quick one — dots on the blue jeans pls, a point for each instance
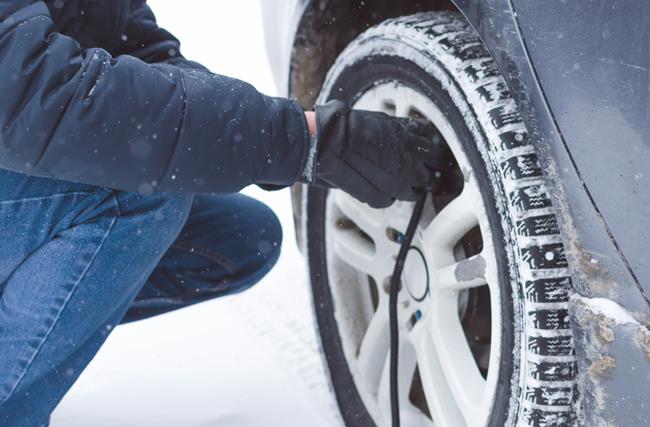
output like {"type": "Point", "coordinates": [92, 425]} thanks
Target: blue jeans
{"type": "Point", "coordinates": [77, 260]}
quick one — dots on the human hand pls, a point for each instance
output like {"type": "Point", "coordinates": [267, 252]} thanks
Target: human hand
{"type": "Point", "coordinates": [375, 157]}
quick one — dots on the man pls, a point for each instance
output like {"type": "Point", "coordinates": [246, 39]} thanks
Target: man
{"type": "Point", "coordinates": [119, 164]}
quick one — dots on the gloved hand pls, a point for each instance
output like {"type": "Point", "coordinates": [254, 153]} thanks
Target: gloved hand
{"type": "Point", "coordinates": [375, 157]}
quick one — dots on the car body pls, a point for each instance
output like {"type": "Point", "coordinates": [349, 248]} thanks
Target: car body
{"type": "Point", "coordinates": [579, 73]}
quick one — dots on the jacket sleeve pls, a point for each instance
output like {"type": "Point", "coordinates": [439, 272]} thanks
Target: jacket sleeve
{"type": "Point", "coordinates": [119, 122]}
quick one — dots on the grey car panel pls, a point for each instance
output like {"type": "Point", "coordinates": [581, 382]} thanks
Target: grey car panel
{"type": "Point", "coordinates": [599, 270]}
{"type": "Point", "coordinates": [611, 345]}
{"type": "Point", "coordinates": [592, 61]}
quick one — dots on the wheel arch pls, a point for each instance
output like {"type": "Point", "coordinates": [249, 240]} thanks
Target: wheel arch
{"type": "Point", "coordinates": [326, 27]}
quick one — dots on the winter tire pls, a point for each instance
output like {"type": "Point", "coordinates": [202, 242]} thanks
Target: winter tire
{"type": "Point", "coordinates": [485, 337]}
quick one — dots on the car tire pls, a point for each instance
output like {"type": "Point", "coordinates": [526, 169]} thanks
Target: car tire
{"type": "Point", "coordinates": [439, 56]}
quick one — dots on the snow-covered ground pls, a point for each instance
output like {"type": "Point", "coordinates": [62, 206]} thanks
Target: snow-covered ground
{"type": "Point", "coordinates": [247, 360]}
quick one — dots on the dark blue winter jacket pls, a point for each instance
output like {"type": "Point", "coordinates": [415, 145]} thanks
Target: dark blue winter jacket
{"type": "Point", "coordinates": [94, 91]}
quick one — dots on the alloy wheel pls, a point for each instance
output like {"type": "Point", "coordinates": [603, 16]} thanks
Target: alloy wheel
{"type": "Point", "coordinates": [448, 303]}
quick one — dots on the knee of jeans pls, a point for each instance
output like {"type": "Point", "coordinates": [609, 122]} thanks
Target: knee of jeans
{"type": "Point", "coordinates": [270, 237]}
{"type": "Point", "coordinates": [160, 216]}
{"type": "Point", "coordinates": [170, 212]}
{"type": "Point", "coordinates": [264, 238]}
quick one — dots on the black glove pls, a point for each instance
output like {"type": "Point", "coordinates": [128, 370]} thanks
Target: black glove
{"type": "Point", "coordinates": [375, 157]}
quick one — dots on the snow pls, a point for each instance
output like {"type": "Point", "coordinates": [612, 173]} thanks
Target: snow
{"type": "Point", "coordinates": [246, 360]}
{"type": "Point", "coordinates": [608, 309]}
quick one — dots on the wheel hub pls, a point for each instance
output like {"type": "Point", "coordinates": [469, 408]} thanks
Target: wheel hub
{"type": "Point", "coordinates": [416, 275]}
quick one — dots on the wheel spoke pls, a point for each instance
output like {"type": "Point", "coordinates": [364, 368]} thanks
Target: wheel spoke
{"type": "Point", "coordinates": [440, 400]}
{"type": "Point", "coordinates": [465, 274]}
{"type": "Point", "coordinates": [402, 108]}
{"type": "Point", "coordinates": [442, 340]}
{"type": "Point", "coordinates": [363, 216]}
{"type": "Point", "coordinates": [373, 350]}
{"type": "Point", "coordinates": [353, 250]}
{"type": "Point", "coordinates": [374, 101]}
{"type": "Point", "coordinates": [371, 254]}
{"type": "Point", "coordinates": [454, 220]}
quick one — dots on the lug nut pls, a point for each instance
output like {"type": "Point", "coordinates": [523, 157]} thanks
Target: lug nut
{"type": "Point", "coordinates": [394, 235]}
{"type": "Point", "coordinates": [386, 286]}
{"type": "Point", "coordinates": [413, 319]}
